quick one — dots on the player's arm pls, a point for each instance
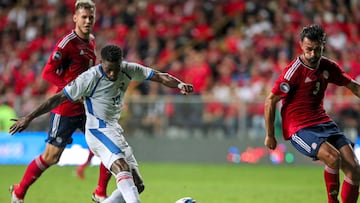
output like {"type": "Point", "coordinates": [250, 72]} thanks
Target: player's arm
{"type": "Point", "coordinates": [269, 115]}
{"type": "Point", "coordinates": [53, 68]}
{"type": "Point", "coordinates": [172, 82]}
{"type": "Point", "coordinates": [45, 107]}
{"type": "Point", "coordinates": [354, 87]}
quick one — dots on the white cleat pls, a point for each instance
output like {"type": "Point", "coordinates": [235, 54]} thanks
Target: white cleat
{"type": "Point", "coordinates": [97, 198]}
{"type": "Point", "coordinates": [14, 199]}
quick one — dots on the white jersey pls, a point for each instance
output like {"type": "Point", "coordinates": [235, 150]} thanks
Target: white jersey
{"type": "Point", "coordinates": [103, 98]}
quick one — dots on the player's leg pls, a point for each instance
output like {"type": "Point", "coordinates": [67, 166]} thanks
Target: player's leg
{"type": "Point", "coordinates": [125, 181]}
{"type": "Point", "coordinates": [350, 167]}
{"type": "Point", "coordinates": [60, 131]}
{"type": "Point", "coordinates": [110, 146]}
{"type": "Point", "coordinates": [34, 170]}
{"type": "Point", "coordinates": [100, 193]}
{"type": "Point", "coordinates": [312, 142]}
{"type": "Point", "coordinates": [116, 196]}
{"type": "Point", "coordinates": [134, 167]}
{"type": "Point", "coordinates": [80, 169]}
{"type": "Point", "coordinates": [331, 157]}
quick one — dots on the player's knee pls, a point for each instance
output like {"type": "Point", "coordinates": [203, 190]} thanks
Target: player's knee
{"type": "Point", "coordinates": [333, 160]}
{"type": "Point", "coordinates": [140, 187]}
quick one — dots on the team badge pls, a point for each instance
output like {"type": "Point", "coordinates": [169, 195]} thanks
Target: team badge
{"type": "Point", "coordinates": [285, 87]}
{"type": "Point", "coordinates": [57, 56]}
{"type": "Point", "coordinates": [313, 145]}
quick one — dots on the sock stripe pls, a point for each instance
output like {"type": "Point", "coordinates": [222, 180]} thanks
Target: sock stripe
{"type": "Point", "coordinates": [123, 176]}
{"type": "Point", "coordinates": [348, 180]}
{"type": "Point", "coordinates": [41, 163]}
{"type": "Point", "coordinates": [331, 170]}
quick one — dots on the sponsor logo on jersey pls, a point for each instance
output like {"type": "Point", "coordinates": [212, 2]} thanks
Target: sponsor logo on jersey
{"type": "Point", "coordinates": [326, 74]}
{"type": "Point", "coordinates": [307, 79]}
{"type": "Point", "coordinates": [57, 56]}
{"type": "Point", "coordinates": [285, 87]}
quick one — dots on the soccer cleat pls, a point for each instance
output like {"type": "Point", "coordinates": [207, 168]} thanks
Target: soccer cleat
{"type": "Point", "coordinates": [96, 198]}
{"type": "Point", "coordinates": [14, 199]}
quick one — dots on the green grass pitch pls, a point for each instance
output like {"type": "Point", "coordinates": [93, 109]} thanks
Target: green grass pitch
{"type": "Point", "coordinates": [167, 182]}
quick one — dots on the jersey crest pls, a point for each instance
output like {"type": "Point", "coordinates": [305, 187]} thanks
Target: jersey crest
{"type": "Point", "coordinates": [285, 87]}
{"type": "Point", "coordinates": [57, 56]}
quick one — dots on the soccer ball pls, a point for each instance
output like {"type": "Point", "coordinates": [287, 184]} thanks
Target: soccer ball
{"type": "Point", "coordinates": [186, 200]}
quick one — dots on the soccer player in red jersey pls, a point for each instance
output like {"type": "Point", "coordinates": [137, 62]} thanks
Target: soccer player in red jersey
{"type": "Point", "coordinates": [301, 87]}
{"type": "Point", "coordinates": [73, 54]}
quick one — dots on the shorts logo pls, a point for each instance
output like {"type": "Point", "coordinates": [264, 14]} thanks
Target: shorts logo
{"type": "Point", "coordinates": [58, 139]}
{"type": "Point", "coordinates": [285, 87]}
{"type": "Point", "coordinates": [57, 56]}
{"type": "Point", "coordinates": [313, 145]}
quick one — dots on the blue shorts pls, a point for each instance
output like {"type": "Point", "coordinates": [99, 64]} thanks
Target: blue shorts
{"type": "Point", "coordinates": [308, 140]}
{"type": "Point", "coordinates": [61, 128]}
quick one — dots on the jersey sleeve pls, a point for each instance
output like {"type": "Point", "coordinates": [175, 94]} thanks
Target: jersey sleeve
{"type": "Point", "coordinates": [80, 87]}
{"type": "Point", "coordinates": [137, 71]}
{"type": "Point", "coordinates": [53, 70]}
{"type": "Point", "coordinates": [284, 83]}
{"type": "Point", "coordinates": [338, 76]}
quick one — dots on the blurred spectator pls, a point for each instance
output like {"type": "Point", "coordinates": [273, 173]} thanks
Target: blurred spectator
{"type": "Point", "coordinates": [6, 113]}
{"type": "Point", "coordinates": [349, 121]}
{"type": "Point", "coordinates": [211, 44]}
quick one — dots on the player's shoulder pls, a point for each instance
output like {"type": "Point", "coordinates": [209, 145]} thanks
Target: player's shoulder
{"type": "Point", "coordinates": [66, 39]}
{"type": "Point", "coordinates": [292, 68]}
{"type": "Point", "coordinates": [327, 61]}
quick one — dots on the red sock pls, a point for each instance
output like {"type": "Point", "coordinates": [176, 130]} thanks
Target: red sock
{"type": "Point", "coordinates": [104, 177]}
{"type": "Point", "coordinates": [332, 183]}
{"type": "Point", "coordinates": [349, 191]}
{"type": "Point", "coordinates": [87, 162]}
{"type": "Point", "coordinates": [33, 171]}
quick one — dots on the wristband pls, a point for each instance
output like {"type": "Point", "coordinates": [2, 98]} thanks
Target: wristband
{"type": "Point", "coordinates": [181, 85]}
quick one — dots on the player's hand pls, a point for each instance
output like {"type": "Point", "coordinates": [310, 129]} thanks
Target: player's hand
{"type": "Point", "coordinates": [270, 142]}
{"type": "Point", "coordinates": [186, 88]}
{"type": "Point", "coordinates": [19, 126]}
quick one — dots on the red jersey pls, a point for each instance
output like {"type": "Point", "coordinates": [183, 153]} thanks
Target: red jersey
{"type": "Point", "coordinates": [302, 91]}
{"type": "Point", "coordinates": [70, 57]}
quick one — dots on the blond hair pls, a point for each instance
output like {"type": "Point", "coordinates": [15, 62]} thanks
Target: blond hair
{"type": "Point", "coordinates": [86, 4]}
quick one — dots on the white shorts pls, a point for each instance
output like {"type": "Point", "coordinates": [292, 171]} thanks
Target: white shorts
{"type": "Point", "coordinates": [109, 144]}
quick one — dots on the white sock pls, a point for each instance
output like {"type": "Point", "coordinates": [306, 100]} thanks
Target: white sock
{"type": "Point", "coordinates": [115, 197]}
{"type": "Point", "coordinates": [125, 184]}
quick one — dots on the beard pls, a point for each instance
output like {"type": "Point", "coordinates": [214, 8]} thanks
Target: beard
{"type": "Point", "coordinates": [313, 61]}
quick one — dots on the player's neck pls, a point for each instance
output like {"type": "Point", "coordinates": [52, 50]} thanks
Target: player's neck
{"type": "Point", "coordinates": [306, 62]}
{"type": "Point", "coordinates": [82, 35]}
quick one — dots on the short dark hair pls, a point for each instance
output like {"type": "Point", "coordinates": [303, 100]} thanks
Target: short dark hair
{"type": "Point", "coordinates": [314, 33]}
{"type": "Point", "coordinates": [111, 53]}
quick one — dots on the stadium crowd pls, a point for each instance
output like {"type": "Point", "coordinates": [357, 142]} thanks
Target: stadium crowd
{"type": "Point", "coordinates": [231, 50]}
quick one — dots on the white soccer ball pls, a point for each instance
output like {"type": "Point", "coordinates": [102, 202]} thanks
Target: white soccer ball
{"type": "Point", "coordinates": [186, 200]}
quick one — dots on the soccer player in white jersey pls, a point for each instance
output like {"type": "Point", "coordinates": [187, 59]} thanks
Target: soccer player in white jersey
{"type": "Point", "coordinates": [103, 89]}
